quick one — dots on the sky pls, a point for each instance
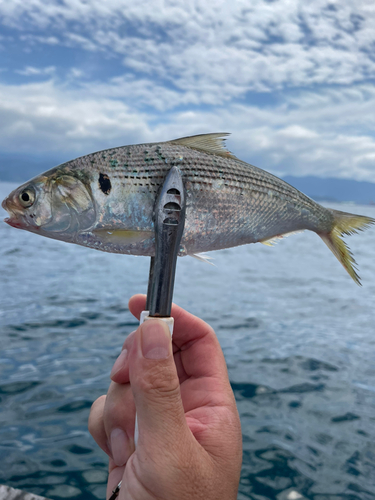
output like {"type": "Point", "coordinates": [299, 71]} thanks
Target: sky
{"type": "Point", "coordinates": [292, 81]}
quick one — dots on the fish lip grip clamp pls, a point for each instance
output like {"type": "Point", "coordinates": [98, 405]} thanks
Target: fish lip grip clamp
{"type": "Point", "coordinates": [169, 221]}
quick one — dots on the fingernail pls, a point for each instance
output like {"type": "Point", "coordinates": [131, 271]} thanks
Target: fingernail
{"type": "Point", "coordinates": [120, 447]}
{"type": "Point", "coordinates": [119, 363]}
{"type": "Point", "coordinates": [156, 340]}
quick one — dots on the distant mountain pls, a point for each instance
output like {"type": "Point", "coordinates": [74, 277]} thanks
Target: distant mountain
{"type": "Point", "coordinates": [330, 189]}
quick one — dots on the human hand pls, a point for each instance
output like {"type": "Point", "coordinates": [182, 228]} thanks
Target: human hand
{"type": "Point", "coordinates": [190, 443]}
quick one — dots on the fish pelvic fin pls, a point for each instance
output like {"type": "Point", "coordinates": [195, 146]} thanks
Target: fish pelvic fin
{"type": "Point", "coordinates": [203, 257]}
{"type": "Point", "coordinates": [208, 143]}
{"type": "Point", "coordinates": [345, 224]}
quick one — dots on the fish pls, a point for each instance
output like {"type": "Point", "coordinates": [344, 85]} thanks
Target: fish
{"type": "Point", "coordinates": [105, 200]}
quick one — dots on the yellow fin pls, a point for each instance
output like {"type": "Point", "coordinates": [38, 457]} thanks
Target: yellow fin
{"type": "Point", "coordinates": [208, 143]}
{"type": "Point", "coordinates": [275, 239]}
{"type": "Point", "coordinates": [272, 241]}
{"type": "Point", "coordinates": [345, 224]}
{"type": "Point", "coordinates": [122, 235]}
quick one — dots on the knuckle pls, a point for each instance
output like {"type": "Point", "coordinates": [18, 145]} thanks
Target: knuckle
{"type": "Point", "coordinates": [98, 403]}
{"type": "Point", "coordinates": [160, 380]}
{"type": "Point", "coordinates": [96, 413]}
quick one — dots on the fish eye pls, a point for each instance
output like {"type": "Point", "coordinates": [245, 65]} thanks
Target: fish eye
{"type": "Point", "coordinates": [27, 197]}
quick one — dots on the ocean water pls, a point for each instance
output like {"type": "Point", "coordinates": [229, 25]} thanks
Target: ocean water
{"type": "Point", "coordinates": [297, 334]}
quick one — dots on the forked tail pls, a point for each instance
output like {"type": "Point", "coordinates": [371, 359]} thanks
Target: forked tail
{"type": "Point", "coordinates": [345, 224]}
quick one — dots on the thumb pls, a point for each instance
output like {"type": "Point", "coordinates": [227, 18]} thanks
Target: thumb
{"type": "Point", "coordinates": [155, 385]}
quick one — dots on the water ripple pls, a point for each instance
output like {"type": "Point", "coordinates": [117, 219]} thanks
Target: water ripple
{"type": "Point", "coordinates": [298, 341]}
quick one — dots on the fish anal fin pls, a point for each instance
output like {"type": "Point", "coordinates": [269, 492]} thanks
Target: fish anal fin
{"type": "Point", "coordinates": [208, 143]}
{"type": "Point", "coordinates": [275, 239]}
{"type": "Point", "coordinates": [272, 241]}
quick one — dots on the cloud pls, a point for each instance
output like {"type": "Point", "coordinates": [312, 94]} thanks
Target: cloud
{"type": "Point", "coordinates": [262, 45]}
{"type": "Point", "coordinates": [45, 117]}
{"type": "Point", "coordinates": [299, 136]}
{"type": "Point", "coordinates": [31, 71]}
{"type": "Point", "coordinates": [290, 80]}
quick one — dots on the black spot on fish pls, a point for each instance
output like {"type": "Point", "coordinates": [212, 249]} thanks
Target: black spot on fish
{"type": "Point", "coordinates": [105, 183]}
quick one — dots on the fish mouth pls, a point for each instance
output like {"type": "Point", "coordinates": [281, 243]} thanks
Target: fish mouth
{"type": "Point", "coordinates": [14, 222]}
{"type": "Point", "coordinates": [4, 204]}
{"type": "Point", "coordinates": [8, 220]}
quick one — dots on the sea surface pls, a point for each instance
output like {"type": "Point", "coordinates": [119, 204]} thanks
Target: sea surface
{"type": "Point", "coordinates": [297, 334]}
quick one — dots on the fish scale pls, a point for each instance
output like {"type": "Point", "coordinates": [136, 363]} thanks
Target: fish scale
{"type": "Point", "coordinates": [105, 200]}
{"type": "Point", "coordinates": [199, 170]}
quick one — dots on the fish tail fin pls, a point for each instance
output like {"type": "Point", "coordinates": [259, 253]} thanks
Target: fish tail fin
{"type": "Point", "coordinates": [345, 224]}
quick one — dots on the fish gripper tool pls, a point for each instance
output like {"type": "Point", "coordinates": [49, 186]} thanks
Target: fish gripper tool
{"type": "Point", "coordinates": [169, 221]}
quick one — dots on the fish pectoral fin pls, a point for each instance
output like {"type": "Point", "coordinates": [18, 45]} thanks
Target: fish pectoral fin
{"type": "Point", "coordinates": [275, 239]}
{"type": "Point", "coordinates": [203, 257]}
{"type": "Point", "coordinates": [208, 143]}
{"type": "Point", "coordinates": [109, 235]}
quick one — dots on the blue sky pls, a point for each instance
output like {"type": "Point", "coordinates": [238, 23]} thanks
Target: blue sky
{"type": "Point", "coordinates": [293, 81]}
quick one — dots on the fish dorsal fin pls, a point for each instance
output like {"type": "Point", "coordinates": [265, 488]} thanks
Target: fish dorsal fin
{"type": "Point", "coordinates": [213, 144]}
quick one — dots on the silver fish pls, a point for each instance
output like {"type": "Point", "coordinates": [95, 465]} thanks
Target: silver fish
{"type": "Point", "coordinates": [105, 200]}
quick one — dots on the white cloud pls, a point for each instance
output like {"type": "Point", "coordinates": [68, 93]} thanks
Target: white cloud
{"type": "Point", "coordinates": [75, 73]}
{"type": "Point", "coordinates": [32, 39]}
{"type": "Point", "coordinates": [188, 66]}
{"type": "Point", "coordinates": [31, 71]}
{"type": "Point", "coordinates": [297, 132]}
{"type": "Point", "coordinates": [197, 45]}
{"type": "Point", "coordinates": [308, 134]}
{"type": "Point", "coordinates": [44, 117]}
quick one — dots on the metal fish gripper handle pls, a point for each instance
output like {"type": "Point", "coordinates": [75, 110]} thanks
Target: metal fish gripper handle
{"type": "Point", "coordinates": [169, 221]}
